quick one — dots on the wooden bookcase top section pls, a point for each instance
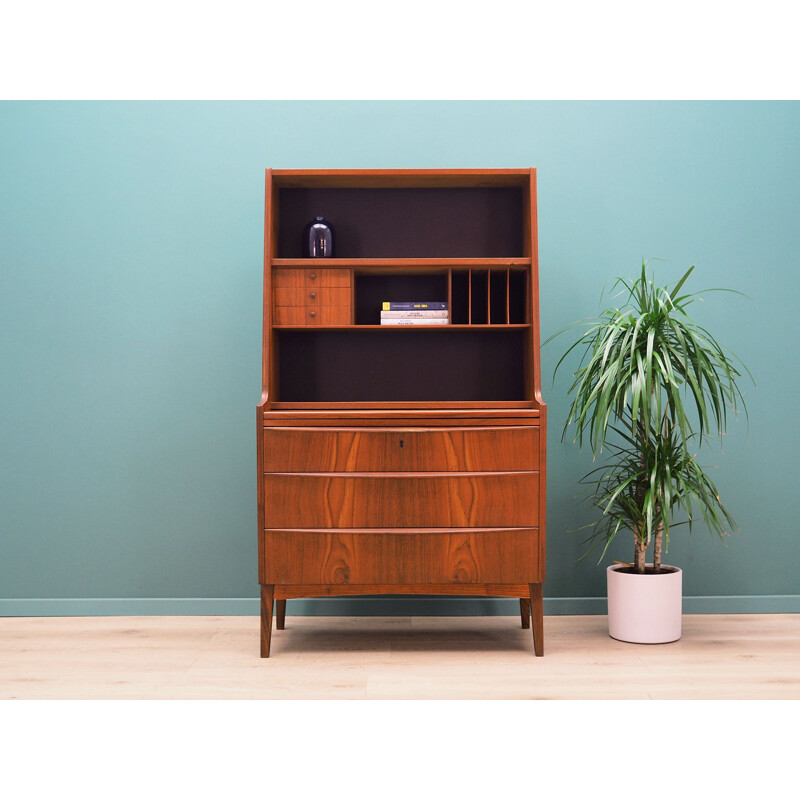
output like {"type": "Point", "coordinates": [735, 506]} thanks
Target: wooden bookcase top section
{"type": "Point", "coordinates": [404, 214]}
{"type": "Point", "coordinates": [467, 236]}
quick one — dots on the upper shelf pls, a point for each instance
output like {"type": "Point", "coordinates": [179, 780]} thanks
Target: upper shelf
{"type": "Point", "coordinates": [484, 326]}
{"type": "Point", "coordinates": [404, 263]}
{"type": "Point", "coordinates": [417, 223]}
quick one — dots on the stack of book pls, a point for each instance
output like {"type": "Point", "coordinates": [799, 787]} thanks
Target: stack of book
{"type": "Point", "coordinates": [427, 313]}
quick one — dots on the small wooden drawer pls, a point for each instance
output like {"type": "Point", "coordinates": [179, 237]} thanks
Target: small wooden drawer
{"type": "Point", "coordinates": [298, 296]}
{"type": "Point", "coordinates": [456, 556]}
{"type": "Point", "coordinates": [327, 278]}
{"type": "Point", "coordinates": [309, 278]}
{"type": "Point", "coordinates": [289, 278]}
{"type": "Point", "coordinates": [311, 315]}
{"type": "Point", "coordinates": [392, 500]}
{"type": "Point", "coordinates": [485, 449]}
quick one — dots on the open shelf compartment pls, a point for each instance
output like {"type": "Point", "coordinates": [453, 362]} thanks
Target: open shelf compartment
{"type": "Point", "coordinates": [400, 365]}
{"type": "Point", "coordinates": [409, 222]}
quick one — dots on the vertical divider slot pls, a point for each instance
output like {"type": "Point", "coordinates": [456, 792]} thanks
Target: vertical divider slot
{"type": "Point", "coordinates": [516, 297]}
{"type": "Point", "coordinates": [498, 297]}
{"type": "Point", "coordinates": [459, 297]}
{"type": "Point", "coordinates": [479, 288]}
{"type": "Point", "coordinates": [450, 296]}
{"type": "Point", "coordinates": [469, 297]}
{"type": "Point", "coordinates": [508, 284]}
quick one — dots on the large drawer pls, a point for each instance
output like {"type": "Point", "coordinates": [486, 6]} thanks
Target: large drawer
{"type": "Point", "coordinates": [390, 500]}
{"type": "Point", "coordinates": [375, 557]}
{"type": "Point", "coordinates": [484, 449]}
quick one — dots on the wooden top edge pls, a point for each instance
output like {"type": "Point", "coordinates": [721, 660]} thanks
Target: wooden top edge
{"type": "Point", "coordinates": [393, 476]}
{"type": "Point", "coordinates": [397, 428]}
{"type": "Point", "coordinates": [301, 410]}
{"type": "Point", "coordinates": [406, 171]}
{"type": "Point", "coordinates": [386, 178]}
{"type": "Point", "coordinates": [383, 531]}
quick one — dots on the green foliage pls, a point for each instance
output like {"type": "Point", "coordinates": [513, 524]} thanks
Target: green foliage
{"type": "Point", "coordinates": [645, 481]}
{"type": "Point", "coordinates": [661, 384]}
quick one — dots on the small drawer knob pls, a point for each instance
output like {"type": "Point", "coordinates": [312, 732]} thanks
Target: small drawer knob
{"type": "Point", "coordinates": [313, 275]}
{"type": "Point", "coordinates": [313, 313]}
{"type": "Point", "coordinates": [313, 295]}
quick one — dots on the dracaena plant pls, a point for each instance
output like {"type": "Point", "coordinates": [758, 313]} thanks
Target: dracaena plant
{"type": "Point", "coordinates": [652, 386]}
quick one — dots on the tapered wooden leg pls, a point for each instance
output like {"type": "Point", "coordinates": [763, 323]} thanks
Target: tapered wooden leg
{"type": "Point", "coordinates": [267, 595]}
{"type": "Point", "coordinates": [537, 617]}
{"type": "Point", "coordinates": [280, 614]}
{"type": "Point", "coordinates": [525, 611]}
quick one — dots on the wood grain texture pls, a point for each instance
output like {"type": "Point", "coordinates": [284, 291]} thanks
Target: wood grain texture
{"type": "Point", "coordinates": [487, 449]}
{"type": "Point", "coordinates": [312, 315]}
{"type": "Point", "coordinates": [440, 493]}
{"type": "Point", "coordinates": [327, 278]}
{"type": "Point", "coordinates": [389, 178]}
{"type": "Point", "coordinates": [311, 297]}
{"type": "Point", "coordinates": [525, 612]}
{"type": "Point", "coordinates": [355, 589]}
{"type": "Point", "coordinates": [451, 417]}
{"type": "Point", "coordinates": [542, 511]}
{"type": "Point", "coordinates": [537, 618]}
{"type": "Point", "coordinates": [390, 558]}
{"type": "Point", "coordinates": [269, 246]}
{"type": "Point", "coordinates": [398, 500]}
{"type": "Point", "coordinates": [311, 277]}
{"type": "Point", "coordinates": [377, 413]}
{"type": "Point", "coordinates": [532, 248]}
{"type": "Point", "coordinates": [280, 613]}
{"type": "Point", "coordinates": [267, 594]}
{"type": "Point", "coordinates": [288, 279]}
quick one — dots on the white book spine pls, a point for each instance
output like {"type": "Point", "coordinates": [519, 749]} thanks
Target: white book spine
{"type": "Point", "coordinates": [414, 314]}
{"type": "Point", "coordinates": [416, 321]}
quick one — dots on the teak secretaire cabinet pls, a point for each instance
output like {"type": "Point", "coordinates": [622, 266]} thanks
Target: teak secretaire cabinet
{"type": "Point", "coordinates": [401, 459]}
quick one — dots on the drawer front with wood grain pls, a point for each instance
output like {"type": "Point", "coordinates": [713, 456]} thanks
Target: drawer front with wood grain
{"type": "Point", "coordinates": [311, 315]}
{"type": "Point", "coordinates": [311, 297]}
{"type": "Point", "coordinates": [327, 278]}
{"type": "Point", "coordinates": [367, 557]}
{"type": "Point", "coordinates": [310, 278]}
{"type": "Point", "coordinates": [391, 500]}
{"type": "Point", "coordinates": [486, 449]}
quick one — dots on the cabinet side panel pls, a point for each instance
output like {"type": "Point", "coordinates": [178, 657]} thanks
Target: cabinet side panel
{"type": "Point", "coordinates": [266, 339]}
{"type": "Point", "coordinates": [542, 491]}
{"type": "Point", "coordinates": [533, 296]}
{"type": "Point", "coordinates": [267, 289]}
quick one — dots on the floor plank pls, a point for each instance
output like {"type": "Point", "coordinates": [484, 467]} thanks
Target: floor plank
{"type": "Point", "coordinates": [718, 657]}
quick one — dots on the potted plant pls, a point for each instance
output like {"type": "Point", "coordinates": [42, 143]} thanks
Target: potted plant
{"type": "Point", "coordinates": [651, 388]}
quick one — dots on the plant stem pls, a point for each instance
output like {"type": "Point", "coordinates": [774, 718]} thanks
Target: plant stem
{"type": "Point", "coordinates": [639, 554]}
{"type": "Point", "coordinates": [657, 545]}
{"type": "Point", "coordinates": [640, 541]}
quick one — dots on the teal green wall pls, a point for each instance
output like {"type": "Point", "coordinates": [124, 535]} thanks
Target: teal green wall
{"type": "Point", "coordinates": [130, 305]}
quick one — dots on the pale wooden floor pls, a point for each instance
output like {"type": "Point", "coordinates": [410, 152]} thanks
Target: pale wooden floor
{"type": "Point", "coordinates": [719, 657]}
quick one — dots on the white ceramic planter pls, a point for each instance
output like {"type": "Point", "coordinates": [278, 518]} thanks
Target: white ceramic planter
{"type": "Point", "coordinates": [645, 609]}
